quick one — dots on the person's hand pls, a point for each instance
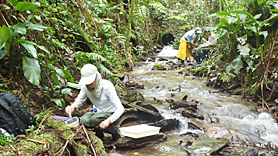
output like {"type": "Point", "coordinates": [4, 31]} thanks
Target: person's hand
{"type": "Point", "coordinates": [70, 109]}
{"type": "Point", "coordinates": [104, 124]}
{"type": "Point", "coordinates": [196, 49]}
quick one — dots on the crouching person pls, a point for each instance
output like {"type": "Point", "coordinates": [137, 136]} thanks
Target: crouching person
{"type": "Point", "coordinates": [103, 95]}
{"type": "Point", "coordinates": [204, 48]}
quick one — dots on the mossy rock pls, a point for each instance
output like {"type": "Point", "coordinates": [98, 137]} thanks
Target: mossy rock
{"type": "Point", "coordinates": [52, 136]}
{"type": "Point", "coordinates": [159, 66]}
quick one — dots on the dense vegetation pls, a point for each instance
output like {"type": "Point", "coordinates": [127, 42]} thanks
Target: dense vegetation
{"type": "Point", "coordinates": [43, 44]}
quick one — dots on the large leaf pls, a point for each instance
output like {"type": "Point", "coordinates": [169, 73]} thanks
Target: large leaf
{"type": "Point", "coordinates": [30, 48]}
{"type": "Point", "coordinates": [260, 2]}
{"type": "Point", "coordinates": [55, 78]}
{"type": "Point", "coordinates": [232, 19]}
{"type": "Point", "coordinates": [265, 33]}
{"type": "Point", "coordinates": [58, 102]}
{"type": "Point", "coordinates": [20, 28]}
{"type": "Point", "coordinates": [223, 14]}
{"type": "Point", "coordinates": [13, 1]}
{"type": "Point", "coordinates": [23, 6]}
{"type": "Point", "coordinates": [244, 50]}
{"type": "Point", "coordinates": [5, 38]}
{"type": "Point", "coordinates": [3, 52]}
{"type": "Point", "coordinates": [246, 13]}
{"type": "Point", "coordinates": [238, 64]}
{"type": "Point", "coordinates": [68, 75]}
{"type": "Point", "coordinates": [60, 73]}
{"type": "Point", "coordinates": [31, 70]}
{"type": "Point", "coordinates": [36, 27]}
{"type": "Point", "coordinates": [67, 91]}
{"type": "Point", "coordinates": [44, 49]}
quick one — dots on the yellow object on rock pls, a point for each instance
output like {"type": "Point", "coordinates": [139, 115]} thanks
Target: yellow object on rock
{"type": "Point", "coordinates": [184, 50]}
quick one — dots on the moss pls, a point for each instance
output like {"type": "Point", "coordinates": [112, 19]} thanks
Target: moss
{"type": "Point", "coordinates": [255, 89]}
{"type": "Point", "coordinates": [183, 70]}
{"type": "Point", "coordinates": [120, 90]}
{"type": "Point", "coordinates": [159, 66]}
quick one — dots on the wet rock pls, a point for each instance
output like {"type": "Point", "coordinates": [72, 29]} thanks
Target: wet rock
{"type": "Point", "coordinates": [162, 59]}
{"type": "Point", "coordinates": [127, 142]}
{"type": "Point", "coordinates": [184, 104]}
{"type": "Point", "coordinates": [134, 84]}
{"type": "Point", "coordinates": [134, 96]}
{"type": "Point", "coordinates": [167, 124]}
{"type": "Point", "coordinates": [193, 126]}
{"type": "Point", "coordinates": [189, 114]}
{"type": "Point", "coordinates": [178, 89]}
{"type": "Point", "coordinates": [218, 132]}
{"type": "Point", "coordinates": [251, 152]}
{"type": "Point", "coordinates": [193, 135]}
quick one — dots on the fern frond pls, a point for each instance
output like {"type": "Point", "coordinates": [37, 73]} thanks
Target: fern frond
{"type": "Point", "coordinates": [105, 72]}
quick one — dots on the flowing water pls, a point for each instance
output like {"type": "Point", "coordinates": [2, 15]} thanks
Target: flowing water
{"type": "Point", "coordinates": [239, 116]}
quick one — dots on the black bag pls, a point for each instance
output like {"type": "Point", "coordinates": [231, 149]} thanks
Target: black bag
{"type": "Point", "coordinates": [14, 117]}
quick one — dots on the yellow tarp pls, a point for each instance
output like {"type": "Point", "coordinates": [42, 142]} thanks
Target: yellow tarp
{"type": "Point", "coordinates": [184, 51]}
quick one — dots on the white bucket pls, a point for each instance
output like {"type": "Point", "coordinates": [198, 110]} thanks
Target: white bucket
{"type": "Point", "coordinates": [74, 122]}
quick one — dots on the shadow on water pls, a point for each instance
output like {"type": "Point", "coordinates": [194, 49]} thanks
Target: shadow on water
{"type": "Point", "coordinates": [241, 117]}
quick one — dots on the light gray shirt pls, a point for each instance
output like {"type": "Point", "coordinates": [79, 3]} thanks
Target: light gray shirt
{"type": "Point", "coordinates": [107, 102]}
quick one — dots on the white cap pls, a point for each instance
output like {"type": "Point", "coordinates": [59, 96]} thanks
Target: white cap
{"type": "Point", "coordinates": [88, 74]}
{"type": "Point", "coordinates": [199, 30]}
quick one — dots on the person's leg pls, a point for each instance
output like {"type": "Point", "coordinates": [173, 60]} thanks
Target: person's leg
{"type": "Point", "coordinates": [197, 56]}
{"type": "Point", "coordinates": [202, 56]}
{"type": "Point", "coordinates": [92, 119]}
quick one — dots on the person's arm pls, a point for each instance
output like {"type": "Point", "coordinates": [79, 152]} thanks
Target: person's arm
{"type": "Point", "coordinates": [77, 103]}
{"type": "Point", "coordinates": [115, 100]}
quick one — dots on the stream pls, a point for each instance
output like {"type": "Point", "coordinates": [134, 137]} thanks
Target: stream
{"type": "Point", "coordinates": [241, 117]}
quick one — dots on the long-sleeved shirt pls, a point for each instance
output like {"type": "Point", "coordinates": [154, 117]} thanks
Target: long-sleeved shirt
{"type": "Point", "coordinates": [190, 36]}
{"type": "Point", "coordinates": [211, 40]}
{"type": "Point", "coordinates": [107, 102]}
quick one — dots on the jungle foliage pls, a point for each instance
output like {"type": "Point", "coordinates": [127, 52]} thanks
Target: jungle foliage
{"type": "Point", "coordinates": [47, 42]}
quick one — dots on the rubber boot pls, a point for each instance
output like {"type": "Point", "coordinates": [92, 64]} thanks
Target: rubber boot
{"type": "Point", "coordinates": [202, 56]}
{"type": "Point", "coordinates": [116, 136]}
{"type": "Point", "coordinates": [99, 133]}
{"type": "Point", "coordinates": [113, 130]}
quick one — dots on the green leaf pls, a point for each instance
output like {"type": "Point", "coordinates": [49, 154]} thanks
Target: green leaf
{"type": "Point", "coordinates": [20, 28]}
{"type": "Point", "coordinates": [223, 14]}
{"type": "Point", "coordinates": [265, 33]}
{"type": "Point", "coordinates": [23, 6]}
{"type": "Point", "coordinates": [252, 28]}
{"type": "Point", "coordinates": [246, 13]}
{"type": "Point", "coordinates": [55, 78]}
{"type": "Point", "coordinates": [60, 73]}
{"type": "Point", "coordinates": [5, 38]}
{"type": "Point", "coordinates": [36, 27]}
{"type": "Point", "coordinates": [3, 52]}
{"type": "Point", "coordinates": [2, 43]}
{"type": "Point", "coordinates": [257, 16]}
{"type": "Point", "coordinates": [242, 17]}
{"type": "Point", "coordinates": [68, 75]}
{"type": "Point", "coordinates": [44, 49]}
{"type": "Point", "coordinates": [58, 102]}
{"type": "Point", "coordinates": [238, 64]}
{"type": "Point", "coordinates": [13, 1]}
{"type": "Point", "coordinates": [67, 91]}
{"type": "Point", "coordinates": [30, 48]}
{"type": "Point", "coordinates": [244, 50]}
{"type": "Point", "coordinates": [260, 2]}
{"type": "Point", "coordinates": [31, 70]}
{"type": "Point", "coordinates": [232, 19]}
